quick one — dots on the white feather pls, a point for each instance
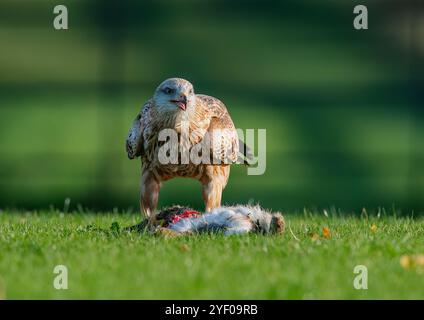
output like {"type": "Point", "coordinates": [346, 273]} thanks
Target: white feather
{"type": "Point", "coordinates": [229, 220]}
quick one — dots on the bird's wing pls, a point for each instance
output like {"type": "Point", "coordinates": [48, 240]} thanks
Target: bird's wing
{"type": "Point", "coordinates": [222, 132]}
{"type": "Point", "coordinates": [245, 154]}
{"type": "Point", "coordinates": [135, 138]}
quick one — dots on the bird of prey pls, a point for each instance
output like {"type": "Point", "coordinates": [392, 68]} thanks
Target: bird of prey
{"type": "Point", "coordinates": [176, 106]}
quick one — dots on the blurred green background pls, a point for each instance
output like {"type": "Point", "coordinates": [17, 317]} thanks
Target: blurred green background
{"type": "Point", "coordinates": [342, 108]}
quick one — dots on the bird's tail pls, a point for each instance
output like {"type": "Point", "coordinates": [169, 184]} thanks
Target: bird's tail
{"type": "Point", "coordinates": [245, 154]}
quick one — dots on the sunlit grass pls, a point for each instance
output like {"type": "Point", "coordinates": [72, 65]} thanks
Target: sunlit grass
{"type": "Point", "coordinates": [306, 262]}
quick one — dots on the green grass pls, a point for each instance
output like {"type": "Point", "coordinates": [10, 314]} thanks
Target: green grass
{"type": "Point", "coordinates": [104, 262]}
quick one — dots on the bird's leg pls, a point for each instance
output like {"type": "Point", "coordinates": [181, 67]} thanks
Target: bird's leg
{"type": "Point", "coordinates": [212, 192]}
{"type": "Point", "coordinates": [149, 195]}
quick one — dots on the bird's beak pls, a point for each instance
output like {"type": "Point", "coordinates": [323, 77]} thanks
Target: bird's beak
{"type": "Point", "coordinates": [181, 102]}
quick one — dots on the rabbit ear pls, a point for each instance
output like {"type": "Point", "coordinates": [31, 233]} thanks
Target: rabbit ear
{"type": "Point", "coordinates": [277, 223]}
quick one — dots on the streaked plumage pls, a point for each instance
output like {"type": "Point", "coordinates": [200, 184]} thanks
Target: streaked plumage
{"type": "Point", "coordinates": [173, 106]}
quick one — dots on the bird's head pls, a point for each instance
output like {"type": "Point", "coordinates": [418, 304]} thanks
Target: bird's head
{"type": "Point", "coordinates": [175, 95]}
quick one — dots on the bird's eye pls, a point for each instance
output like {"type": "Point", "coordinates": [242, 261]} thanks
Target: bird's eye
{"type": "Point", "coordinates": [191, 91]}
{"type": "Point", "coordinates": [168, 90]}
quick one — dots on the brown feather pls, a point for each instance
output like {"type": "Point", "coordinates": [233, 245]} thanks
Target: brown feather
{"type": "Point", "coordinates": [208, 116]}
